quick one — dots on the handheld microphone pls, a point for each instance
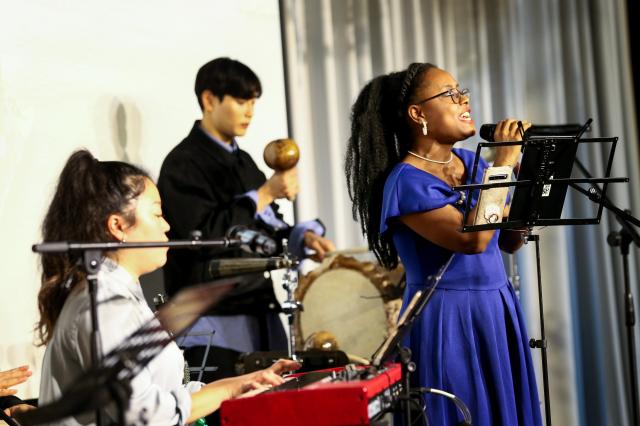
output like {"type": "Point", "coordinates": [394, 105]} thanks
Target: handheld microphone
{"type": "Point", "coordinates": [487, 130]}
{"type": "Point", "coordinates": [253, 241]}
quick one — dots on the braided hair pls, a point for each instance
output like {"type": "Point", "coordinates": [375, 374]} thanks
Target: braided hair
{"type": "Point", "coordinates": [380, 139]}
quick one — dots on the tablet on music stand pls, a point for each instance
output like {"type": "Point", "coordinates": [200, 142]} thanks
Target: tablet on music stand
{"type": "Point", "coordinates": [551, 159]}
{"type": "Point", "coordinates": [541, 187]}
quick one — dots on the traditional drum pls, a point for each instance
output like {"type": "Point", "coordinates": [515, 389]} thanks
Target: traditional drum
{"type": "Point", "coordinates": [349, 304]}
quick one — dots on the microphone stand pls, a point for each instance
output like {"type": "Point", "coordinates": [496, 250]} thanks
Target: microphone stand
{"type": "Point", "coordinates": [290, 306]}
{"type": "Point", "coordinates": [92, 254]}
{"type": "Point", "coordinates": [623, 239]}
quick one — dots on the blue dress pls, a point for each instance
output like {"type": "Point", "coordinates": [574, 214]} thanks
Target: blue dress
{"type": "Point", "coordinates": [471, 338]}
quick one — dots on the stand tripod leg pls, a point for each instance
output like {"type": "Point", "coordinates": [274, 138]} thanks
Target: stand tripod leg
{"type": "Point", "coordinates": [623, 239]}
{"type": "Point", "coordinates": [542, 343]}
{"type": "Point", "coordinates": [96, 349]}
{"type": "Point", "coordinates": [291, 305]}
{"type": "Point", "coordinates": [408, 367]}
{"type": "Point", "coordinates": [292, 337]}
{"type": "Point", "coordinates": [630, 323]}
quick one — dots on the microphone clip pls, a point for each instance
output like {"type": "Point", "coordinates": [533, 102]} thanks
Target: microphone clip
{"type": "Point", "coordinates": [253, 241]}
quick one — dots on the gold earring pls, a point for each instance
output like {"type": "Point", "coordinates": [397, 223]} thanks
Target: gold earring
{"type": "Point", "coordinates": [425, 131]}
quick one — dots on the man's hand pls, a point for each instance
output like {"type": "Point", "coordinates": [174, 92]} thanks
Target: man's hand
{"type": "Point", "coordinates": [280, 185]}
{"type": "Point", "coordinates": [320, 244]}
{"type": "Point", "coordinates": [13, 377]}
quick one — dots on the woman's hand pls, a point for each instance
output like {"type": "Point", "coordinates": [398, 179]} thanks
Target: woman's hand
{"type": "Point", "coordinates": [261, 379]}
{"type": "Point", "coordinates": [284, 365]}
{"type": "Point", "coordinates": [268, 377]}
{"type": "Point", "coordinates": [13, 377]}
{"type": "Point", "coordinates": [507, 130]}
{"type": "Point", "coordinates": [210, 397]}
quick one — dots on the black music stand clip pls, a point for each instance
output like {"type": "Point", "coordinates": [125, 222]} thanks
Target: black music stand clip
{"type": "Point", "coordinates": [538, 200]}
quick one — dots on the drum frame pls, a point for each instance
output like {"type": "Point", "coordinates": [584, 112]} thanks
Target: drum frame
{"type": "Point", "coordinates": [384, 281]}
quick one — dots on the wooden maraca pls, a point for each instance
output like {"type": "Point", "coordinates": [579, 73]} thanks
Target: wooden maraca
{"type": "Point", "coordinates": [281, 154]}
{"type": "Point", "coordinates": [321, 340]}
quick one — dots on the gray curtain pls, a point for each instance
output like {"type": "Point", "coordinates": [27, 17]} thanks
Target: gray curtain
{"type": "Point", "coordinates": [547, 61]}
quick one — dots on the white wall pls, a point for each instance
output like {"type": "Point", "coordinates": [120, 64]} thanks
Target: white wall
{"type": "Point", "coordinates": [116, 77]}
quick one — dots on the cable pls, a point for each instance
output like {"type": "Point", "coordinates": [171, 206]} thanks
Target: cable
{"type": "Point", "coordinates": [464, 410]}
{"type": "Point", "coordinates": [415, 401]}
{"type": "Point", "coordinates": [421, 409]}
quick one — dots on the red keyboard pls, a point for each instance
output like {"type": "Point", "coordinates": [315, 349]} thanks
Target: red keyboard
{"type": "Point", "coordinates": [340, 396]}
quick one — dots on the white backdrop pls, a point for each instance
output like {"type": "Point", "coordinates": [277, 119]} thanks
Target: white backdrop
{"type": "Point", "coordinates": [116, 78]}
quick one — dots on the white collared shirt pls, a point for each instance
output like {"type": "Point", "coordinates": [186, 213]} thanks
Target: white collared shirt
{"type": "Point", "coordinates": [158, 396]}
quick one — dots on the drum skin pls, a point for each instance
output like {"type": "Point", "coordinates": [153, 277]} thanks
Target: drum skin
{"type": "Point", "coordinates": [349, 303]}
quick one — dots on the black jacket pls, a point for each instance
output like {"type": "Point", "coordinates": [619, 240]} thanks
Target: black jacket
{"type": "Point", "coordinates": [201, 185]}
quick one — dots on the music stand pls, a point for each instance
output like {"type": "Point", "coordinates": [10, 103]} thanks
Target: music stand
{"type": "Point", "coordinates": [110, 381]}
{"type": "Point", "coordinates": [622, 239]}
{"type": "Point", "coordinates": [538, 199]}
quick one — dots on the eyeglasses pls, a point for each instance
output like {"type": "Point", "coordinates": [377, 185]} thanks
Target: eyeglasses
{"type": "Point", "coordinates": [455, 94]}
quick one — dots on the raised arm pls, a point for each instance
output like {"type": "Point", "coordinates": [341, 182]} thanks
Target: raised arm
{"type": "Point", "coordinates": [443, 226]}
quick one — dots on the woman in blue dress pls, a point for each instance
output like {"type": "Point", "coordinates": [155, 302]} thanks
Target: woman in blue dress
{"type": "Point", "coordinates": [471, 338]}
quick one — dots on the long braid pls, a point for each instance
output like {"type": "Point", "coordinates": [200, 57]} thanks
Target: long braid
{"type": "Point", "coordinates": [379, 140]}
{"type": "Point", "coordinates": [405, 97]}
{"type": "Point", "coordinates": [409, 82]}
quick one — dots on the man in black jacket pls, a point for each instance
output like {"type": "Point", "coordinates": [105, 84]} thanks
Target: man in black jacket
{"type": "Point", "coordinates": [208, 183]}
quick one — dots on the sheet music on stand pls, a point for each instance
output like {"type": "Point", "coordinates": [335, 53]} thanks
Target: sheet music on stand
{"type": "Point", "coordinates": [97, 387]}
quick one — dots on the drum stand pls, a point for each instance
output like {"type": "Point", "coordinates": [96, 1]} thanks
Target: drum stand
{"type": "Point", "coordinates": [291, 305]}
